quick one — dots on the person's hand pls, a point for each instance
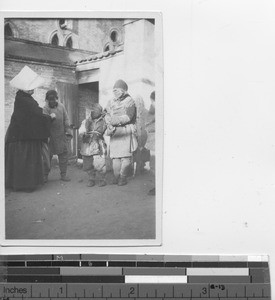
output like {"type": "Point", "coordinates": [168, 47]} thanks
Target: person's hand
{"type": "Point", "coordinates": [115, 121]}
{"type": "Point", "coordinates": [107, 118]}
{"type": "Point", "coordinates": [53, 116]}
{"type": "Point", "coordinates": [85, 138]}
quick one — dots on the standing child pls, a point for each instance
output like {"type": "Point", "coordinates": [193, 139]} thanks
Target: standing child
{"type": "Point", "coordinates": [93, 147]}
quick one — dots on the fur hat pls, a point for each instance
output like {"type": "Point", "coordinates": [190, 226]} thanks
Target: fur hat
{"type": "Point", "coordinates": [120, 84]}
{"type": "Point", "coordinates": [27, 80]}
{"type": "Point", "coordinates": [96, 111]}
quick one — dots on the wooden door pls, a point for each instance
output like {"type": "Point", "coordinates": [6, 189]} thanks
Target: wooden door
{"type": "Point", "coordinates": [68, 95]}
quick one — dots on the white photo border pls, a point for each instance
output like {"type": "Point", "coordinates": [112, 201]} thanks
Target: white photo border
{"type": "Point", "coordinates": [159, 129]}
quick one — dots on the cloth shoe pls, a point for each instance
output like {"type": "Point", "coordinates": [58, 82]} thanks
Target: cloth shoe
{"type": "Point", "coordinates": [122, 181]}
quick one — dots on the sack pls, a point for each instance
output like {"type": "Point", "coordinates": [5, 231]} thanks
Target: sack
{"type": "Point", "coordinates": [134, 143]}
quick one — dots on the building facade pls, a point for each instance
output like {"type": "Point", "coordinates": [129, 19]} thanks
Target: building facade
{"type": "Point", "coordinates": [81, 59]}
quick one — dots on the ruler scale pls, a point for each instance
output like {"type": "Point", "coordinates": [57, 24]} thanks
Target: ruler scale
{"type": "Point", "coordinates": [97, 276]}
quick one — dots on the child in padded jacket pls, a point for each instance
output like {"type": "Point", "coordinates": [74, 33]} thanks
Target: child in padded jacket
{"type": "Point", "coordinates": [93, 148]}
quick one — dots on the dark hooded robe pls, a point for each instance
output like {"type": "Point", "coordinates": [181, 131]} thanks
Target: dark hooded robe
{"type": "Point", "coordinates": [28, 128]}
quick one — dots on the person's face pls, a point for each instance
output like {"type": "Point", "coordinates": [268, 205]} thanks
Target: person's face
{"type": "Point", "coordinates": [96, 113]}
{"type": "Point", "coordinates": [30, 92]}
{"type": "Point", "coordinates": [52, 101]}
{"type": "Point", "coordinates": [118, 92]}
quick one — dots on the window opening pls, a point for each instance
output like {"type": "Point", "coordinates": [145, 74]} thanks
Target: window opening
{"type": "Point", "coordinates": [55, 40]}
{"type": "Point", "coordinates": [62, 23]}
{"type": "Point", "coordinates": [8, 30]}
{"type": "Point", "coordinates": [69, 42]}
{"type": "Point", "coordinates": [114, 36]}
{"type": "Point", "coordinates": [106, 48]}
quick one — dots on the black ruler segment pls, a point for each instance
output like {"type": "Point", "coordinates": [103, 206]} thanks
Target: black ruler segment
{"type": "Point", "coordinates": [38, 271]}
{"type": "Point", "coordinates": [14, 263]}
{"type": "Point", "coordinates": [122, 264]}
{"type": "Point", "coordinates": [209, 264]}
{"type": "Point", "coordinates": [150, 264]}
{"type": "Point", "coordinates": [178, 264]}
{"type": "Point", "coordinates": [65, 264]}
{"type": "Point", "coordinates": [39, 263]}
{"type": "Point", "coordinates": [52, 279]}
{"type": "Point", "coordinates": [102, 276]}
{"type": "Point", "coordinates": [258, 264]}
{"type": "Point", "coordinates": [93, 263]}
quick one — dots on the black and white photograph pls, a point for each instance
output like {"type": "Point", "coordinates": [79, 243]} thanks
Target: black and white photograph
{"type": "Point", "coordinates": [83, 110]}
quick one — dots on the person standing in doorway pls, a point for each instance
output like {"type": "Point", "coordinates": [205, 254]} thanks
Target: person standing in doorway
{"type": "Point", "coordinates": [120, 119]}
{"type": "Point", "coordinates": [60, 133]}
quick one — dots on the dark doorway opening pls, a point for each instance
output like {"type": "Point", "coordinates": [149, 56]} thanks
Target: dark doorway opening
{"type": "Point", "coordinates": [88, 95]}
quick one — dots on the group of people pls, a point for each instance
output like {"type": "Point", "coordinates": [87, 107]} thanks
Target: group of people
{"type": "Point", "coordinates": [35, 135]}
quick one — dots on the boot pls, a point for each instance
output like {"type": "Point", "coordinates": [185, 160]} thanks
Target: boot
{"type": "Point", "coordinates": [64, 177]}
{"type": "Point", "coordinates": [115, 180]}
{"type": "Point", "coordinates": [101, 183]}
{"type": "Point", "coordinates": [91, 183]}
{"type": "Point", "coordinates": [122, 180]}
{"type": "Point", "coordinates": [45, 178]}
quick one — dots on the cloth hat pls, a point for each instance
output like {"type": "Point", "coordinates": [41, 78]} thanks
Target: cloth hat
{"type": "Point", "coordinates": [120, 84]}
{"type": "Point", "coordinates": [26, 80]}
{"type": "Point", "coordinates": [51, 94]}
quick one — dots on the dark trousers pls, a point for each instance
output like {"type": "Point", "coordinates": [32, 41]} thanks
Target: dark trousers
{"type": "Point", "coordinates": [47, 158]}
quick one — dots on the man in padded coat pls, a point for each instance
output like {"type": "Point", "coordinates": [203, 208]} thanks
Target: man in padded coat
{"type": "Point", "coordinates": [60, 133]}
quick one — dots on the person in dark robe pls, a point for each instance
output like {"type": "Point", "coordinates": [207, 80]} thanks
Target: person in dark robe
{"type": "Point", "coordinates": [27, 130]}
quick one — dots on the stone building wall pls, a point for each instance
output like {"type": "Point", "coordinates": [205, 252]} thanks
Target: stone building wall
{"type": "Point", "coordinates": [95, 34]}
{"type": "Point", "coordinates": [38, 30]}
{"type": "Point", "coordinates": [87, 34]}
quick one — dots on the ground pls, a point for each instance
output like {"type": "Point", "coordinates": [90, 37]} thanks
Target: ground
{"type": "Point", "coordinates": [71, 210]}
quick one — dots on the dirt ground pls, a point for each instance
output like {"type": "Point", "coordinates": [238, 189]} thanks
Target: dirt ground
{"type": "Point", "coordinates": [71, 210]}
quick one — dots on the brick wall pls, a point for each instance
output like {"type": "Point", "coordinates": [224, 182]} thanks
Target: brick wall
{"type": "Point", "coordinates": [49, 73]}
{"type": "Point", "coordinates": [92, 34]}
